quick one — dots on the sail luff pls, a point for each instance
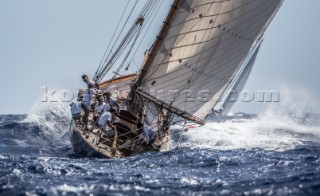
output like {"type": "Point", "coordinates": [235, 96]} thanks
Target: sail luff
{"type": "Point", "coordinates": [159, 39]}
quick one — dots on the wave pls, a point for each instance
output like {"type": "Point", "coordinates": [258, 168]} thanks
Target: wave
{"type": "Point", "coordinates": [44, 130]}
{"type": "Point", "coordinates": [268, 132]}
{"type": "Point", "coordinates": [281, 127]}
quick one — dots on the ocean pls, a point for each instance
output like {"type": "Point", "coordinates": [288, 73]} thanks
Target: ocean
{"type": "Point", "coordinates": [267, 154]}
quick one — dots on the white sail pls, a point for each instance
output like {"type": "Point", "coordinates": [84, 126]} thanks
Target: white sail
{"type": "Point", "coordinates": [201, 52]}
{"type": "Point", "coordinates": [239, 84]}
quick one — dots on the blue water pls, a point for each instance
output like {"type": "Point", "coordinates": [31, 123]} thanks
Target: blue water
{"type": "Point", "coordinates": [244, 155]}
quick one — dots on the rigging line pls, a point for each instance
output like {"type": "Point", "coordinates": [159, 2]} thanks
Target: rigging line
{"type": "Point", "coordinates": [135, 63]}
{"type": "Point", "coordinates": [116, 55]}
{"type": "Point", "coordinates": [115, 58]}
{"type": "Point", "coordinates": [114, 33]}
{"type": "Point", "coordinates": [126, 39]}
{"type": "Point", "coordinates": [126, 57]}
{"type": "Point", "coordinates": [150, 24]}
{"type": "Point", "coordinates": [124, 25]}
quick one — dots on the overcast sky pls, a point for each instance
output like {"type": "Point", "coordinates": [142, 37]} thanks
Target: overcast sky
{"type": "Point", "coordinates": [53, 42]}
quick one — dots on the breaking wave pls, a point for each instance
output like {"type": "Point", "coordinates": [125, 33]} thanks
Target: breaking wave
{"type": "Point", "coordinates": [267, 132]}
{"type": "Point", "coordinates": [44, 130]}
{"type": "Point", "coordinates": [281, 127]}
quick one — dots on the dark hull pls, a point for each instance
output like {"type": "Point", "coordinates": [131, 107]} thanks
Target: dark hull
{"type": "Point", "coordinates": [81, 146]}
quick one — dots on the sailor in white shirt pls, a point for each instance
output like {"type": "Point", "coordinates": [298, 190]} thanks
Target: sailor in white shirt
{"type": "Point", "coordinates": [100, 108]}
{"type": "Point", "coordinates": [104, 120]}
{"type": "Point", "coordinates": [110, 101]}
{"type": "Point", "coordinates": [88, 96]}
{"type": "Point", "coordinates": [87, 80]}
{"type": "Point", "coordinates": [76, 110]}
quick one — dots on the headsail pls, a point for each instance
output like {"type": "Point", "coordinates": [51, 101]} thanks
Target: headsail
{"type": "Point", "coordinates": [239, 83]}
{"type": "Point", "coordinates": [203, 46]}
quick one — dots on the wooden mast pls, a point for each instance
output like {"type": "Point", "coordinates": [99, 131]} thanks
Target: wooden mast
{"type": "Point", "coordinates": [157, 43]}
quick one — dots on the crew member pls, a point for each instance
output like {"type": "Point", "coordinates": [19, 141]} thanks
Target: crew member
{"type": "Point", "coordinates": [88, 96]}
{"type": "Point", "coordinates": [104, 120]}
{"type": "Point", "coordinates": [110, 101]}
{"type": "Point", "coordinates": [87, 80]}
{"type": "Point", "coordinates": [76, 110]}
{"type": "Point", "coordinates": [100, 108]}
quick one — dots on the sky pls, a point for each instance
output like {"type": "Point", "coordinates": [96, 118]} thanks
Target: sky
{"type": "Point", "coordinates": [52, 43]}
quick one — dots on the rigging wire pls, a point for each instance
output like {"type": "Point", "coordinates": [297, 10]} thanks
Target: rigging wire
{"type": "Point", "coordinates": [150, 24]}
{"type": "Point", "coordinates": [129, 52]}
{"type": "Point", "coordinates": [121, 31]}
{"type": "Point", "coordinates": [114, 33]}
{"type": "Point", "coordinates": [131, 37]}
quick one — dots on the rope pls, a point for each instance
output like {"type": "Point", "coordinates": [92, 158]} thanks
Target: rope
{"type": "Point", "coordinates": [131, 37]}
{"type": "Point", "coordinates": [114, 33]}
{"type": "Point", "coordinates": [122, 29]}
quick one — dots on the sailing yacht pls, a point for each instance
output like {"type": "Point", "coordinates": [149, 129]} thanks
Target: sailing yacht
{"type": "Point", "coordinates": [197, 55]}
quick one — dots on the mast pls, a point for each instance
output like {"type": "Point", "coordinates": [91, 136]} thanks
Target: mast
{"type": "Point", "coordinates": [159, 39]}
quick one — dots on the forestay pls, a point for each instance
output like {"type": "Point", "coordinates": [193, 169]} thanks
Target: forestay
{"type": "Point", "coordinates": [202, 50]}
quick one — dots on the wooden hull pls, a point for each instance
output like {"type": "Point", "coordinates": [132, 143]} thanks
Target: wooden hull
{"type": "Point", "coordinates": [83, 147]}
{"type": "Point", "coordinates": [88, 144]}
{"type": "Point", "coordinates": [96, 143]}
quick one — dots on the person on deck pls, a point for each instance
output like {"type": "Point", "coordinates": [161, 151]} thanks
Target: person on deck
{"type": "Point", "coordinates": [88, 96]}
{"type": "Point", "coordinates": [87, 80]}
{"type": "Point", "coordinates": [104, 120]}
{"type": "Point", "coordinates": [110, 101]}
{"type": "Point", "coordinates": [100, 108]}
{"type": "Point", "coordinates": [76, 111]}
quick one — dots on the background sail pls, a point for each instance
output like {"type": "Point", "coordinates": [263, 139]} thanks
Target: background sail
{"type": "Point", "coordinates": [239, 83]}
{"type": "Point", "coordinates": [202, 51]}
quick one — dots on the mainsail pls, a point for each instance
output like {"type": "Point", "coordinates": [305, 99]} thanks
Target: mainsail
{"type": "Point", "coordinates": [239, 84]}
{"type": "Point", "coordinates": [199, 51]}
